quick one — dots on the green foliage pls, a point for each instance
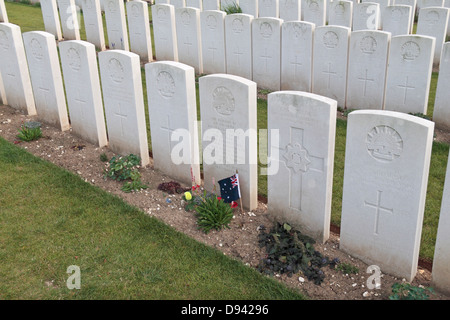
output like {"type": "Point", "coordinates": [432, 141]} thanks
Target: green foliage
{"type": "Point", "coordinates": [347, 268]}
{"type": "Point", "coordinates": [406, 291]}
{"type": "Point", "coordinates": [288, 251]}
{"type": "Point", "coordinates": [213, 213]}
{"type": "Point", "coordinates": [103, 157]}
{"type": "Point", "coordinates": [30, 131]}
{"type": "Point", "coordinates": [420, 115]}
{"type": "Point", "coordinates": [126, 168]}
{"type": "Point", "coordinates": [232, 8]}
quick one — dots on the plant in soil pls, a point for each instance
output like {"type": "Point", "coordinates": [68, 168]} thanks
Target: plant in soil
{"type": "Point", "coordinates": [213, 213]}
{"type": "Point", "coordinates": [123, 168]}
{"type": "Point", "coordinates": [289, 251]}
{"type": "Point", "coordinates": [30, 131]}
{"type": "Point", "coordinates": [406, 291]}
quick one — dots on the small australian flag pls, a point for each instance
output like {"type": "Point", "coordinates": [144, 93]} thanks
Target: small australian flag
{"type": "Point", "coordinates": [229, 189]}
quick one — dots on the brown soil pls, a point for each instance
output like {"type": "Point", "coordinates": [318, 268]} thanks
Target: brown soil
{"type": "Point", "coordinates": [240, 241]}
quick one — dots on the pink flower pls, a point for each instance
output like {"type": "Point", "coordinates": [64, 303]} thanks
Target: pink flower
{"type": "Point", "coordinates": [219, 198]}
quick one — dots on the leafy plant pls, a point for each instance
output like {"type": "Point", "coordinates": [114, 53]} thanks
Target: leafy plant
{"type": "Point", "coordinates": [347, 268]}
{"type": "Point", "coordinates": [30, 131]}
{"type": "Point", "coordinates": [406, 291]}
{"type": "Point", "coordinates": [213, 213]}
{"type": "Point", "coordinates": [126, 168]}
{"type": "Point", "coordinates": [232, 8]}
{"type": "Point", "coordinates": [288, 251]}
{"type": "Point", "coordinates": [103, 157]}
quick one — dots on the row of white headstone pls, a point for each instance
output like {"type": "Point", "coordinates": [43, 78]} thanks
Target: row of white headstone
{"type": "Point", "coordinates": [350, 67]}
{"type": "Point", "coordinates": [387, 154]}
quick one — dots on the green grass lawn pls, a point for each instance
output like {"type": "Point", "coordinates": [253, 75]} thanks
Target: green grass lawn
{"type": "Point", "coordinates": [51, 219]}
{"type": "Point", "coordinates": [30, 18]}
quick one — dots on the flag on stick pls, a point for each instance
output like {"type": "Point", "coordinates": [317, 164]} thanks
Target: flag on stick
{"type": "Point", "coordinates": [229, 188]}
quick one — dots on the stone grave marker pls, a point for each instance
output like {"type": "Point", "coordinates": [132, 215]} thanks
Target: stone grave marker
{"type": "Point", "coordinates": [68, 13]}
{"type": "Point", "coordinates": [3, 99]}
{"type": "Point", "coordinates": [3, 13]}
{"type": "Point", "coordinates": [387, 161]}
{"type": "Point", "coordinates": [412, 4]}
{"type": "Point", "coordinates": [50, 16]}
{"type": "Point", "coordinates": [116, 25]}
{"type": "Point", "coordinates": [164, 32]}
{"type": "Point", "coordinates": [228, 113]}
{"type": "Point", "coordinates": [383, 4]}
{"type": "Point", "coordinates": [249, 7]}
{"type": "Point", "coordinates": [301, 158]}
{"type": "Point", "coordinates": [14, 69]}
{"type": "Point", "coordinates": [93, 23]}
{"type": "Point", "coordinates": [213, 41]}
{"type": "Point", "coordinates": [397, 20]}
{"type": "Point", "coordinates": [330, 53]}
{"type": "Point", "coordinates": [172, 108]}
{"type": "Point", "coordinates": [368, 56]}
{"type": "Point", "coordinates": [238, 44]}
{"type": "Point", "coordinates": [428, 3]}
{"type": "Point", "coordinates": [290, 10]}
{"type": "Point", "coordinates": [211, 4]}
{"type": "Point", "coordinates": [266, 38]}
{"type": "Point", "coordinates": [187, 21]}
{"type": "Point", "coordinates": [433, 22]}
{"type": "Point", "coordinates": [124, 103]}
{"type": "Point", "coordinates": [139, 30]}
{"type": "Point", "coordinates": [226, 3]}
{"type": "Point", "coordinates": [441, 112]}
{"type": "Point", "coordinates": [314, 11]}
{"type": "Point", "coordinates": [341, 13]}
{"type": "Point", "coordinates": [409, 73]}
{"type": "Point", "coordinates": [268, 9]}
{"type": "Point", "coordinates": [440, 275]}
{"type": "Point", "coordinates": [178, 3]}
{"type": "Point", "coordinates": [195, 4]}
{"type": "Point", "coordinates": [366, 16]}
{"type": "Point", "coordinates": [297, 55]}
{"type": "Point", "coordinates": [46, 78]}
{"type": "Point", "coordinates": [83, 94]}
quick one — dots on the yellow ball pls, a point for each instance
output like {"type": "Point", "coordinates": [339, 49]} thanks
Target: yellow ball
{"type": "Point", "coordinates": [188, 195]}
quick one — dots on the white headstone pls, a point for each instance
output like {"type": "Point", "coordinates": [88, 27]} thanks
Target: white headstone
{"type": "Point", "coordinates": [297, 55]}
{"type": "Point", "coordinates": [178, 3]}
{"type": "Point", "coordinates": [120, 72]}
{"type": "Point", "coordinates": [341, 13]}
{"type": "Point", "coordinates": [397, 19]}
{"type": "Point", "coordinates": [46, 78]}
{"type": "Point", "coordinates": [3, 99]}
{"type": "Point", "coordinates": [228, 113]}
{"type": "Point", "coordinates": [330, 55]}
{"type": "Point", "coordinates": [366, 16]}
{"type": "Point", "coordinates": [441, 111]}
{"type": "Point", "coordinates": [68, 13]}
{"type": "Point", "coordinates": [82, 84]}
{"type": "Point", "coordinates": [290, 10]}
{"type": "Point", "coordinates": [409, 73]}
{"type": "Point", "coordinates": [226, 3]}
{"type": "Point", "coordinates": [429, 3]}
{"type": "Point", "coordinates": [300, 174]}
{"type": "Point", "coordinates": [187, 21]}
{"type": "Point", "coordinates": [3, 13]}
{"type": "Point", "coordinates": [412, 4]}
{"type": "Point", "coordinates": [268, 9]}
{"type": "Point", "coordinates": [440, 275]}
{"type": "Point", "coordinates": [213, 41]}
{"type": "Point", "coordinates": [387, 161]}
{"type": "Point", "coordinates": [14, 69]}
{"type": "Point", "coordinates": [164, 32]}
{"type": "Point", "coordinates": [172, 108]}
{"type": "Point", "coordinates": [266, 37]}
{"type": "Point", "coordinates": [238, 40]}
{"type": "Point", "coordinates": [211, 4]}
{"type": "Point", "coordinates": [93, 23]}
{"type": "Point", "coordinates": [433, 22]}
{"type": "Point", "coordinates": [50, 16]}
{"type": "Point", "coordinates": [249, 7]}
{"type": "Point", "coordinates": [161, 1]}
{"type": "Point", "coordinates": [139, 30]}
{"type": "Point", "coordinates": [195, 4]}
{"type": "Point", "coordinates": [383, 4]}
{"type": "Point", "coordinates": [368, 56]}
{"type": "Point", "coordinates": [116, 25]}
{"type": "Point", "coordinates": [314, 11]}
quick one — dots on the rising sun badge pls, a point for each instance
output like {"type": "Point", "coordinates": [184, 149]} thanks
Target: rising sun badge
{"type": "Point", "coordinates": [384, 143]}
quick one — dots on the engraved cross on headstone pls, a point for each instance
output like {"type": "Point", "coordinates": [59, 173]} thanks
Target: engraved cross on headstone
{"type": "Point", "coordinates": [365, 79]}
{"type": "Point", "coordinates": [298, 160]}
{"type": "Point", "coordinates": [169, 131]}
{"type": "Point", "coordinates": [266, 57]}
{"type": "Point", "coordinates": [296, 64]}
{"type": "Point", "coordinates": [378, 209]}
{"type": "Point", "coordinates": [406, 87]}
{"type": "Point", "coordinates": [122, 117]}
{"type": "Point", "coordinates": [329, 73]}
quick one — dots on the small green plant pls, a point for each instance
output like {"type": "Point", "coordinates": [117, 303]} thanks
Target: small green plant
{"type": "Point", "coordinates": [420, 115]}
{"type": "Point", "coordinates": [406, 291]}
{"type": "Point", "coordinates": [213, 213]}
{"type": "Point", "coordinates": [103, 157]}
{"type": "Point", "coordinates": [126, 168]}
{"type": "Point", "coordinates": [347, 268]}
{"type": "Point", "coordinates": [232, 8]}
{"type": "Point", "coordinates": [30, 131]}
